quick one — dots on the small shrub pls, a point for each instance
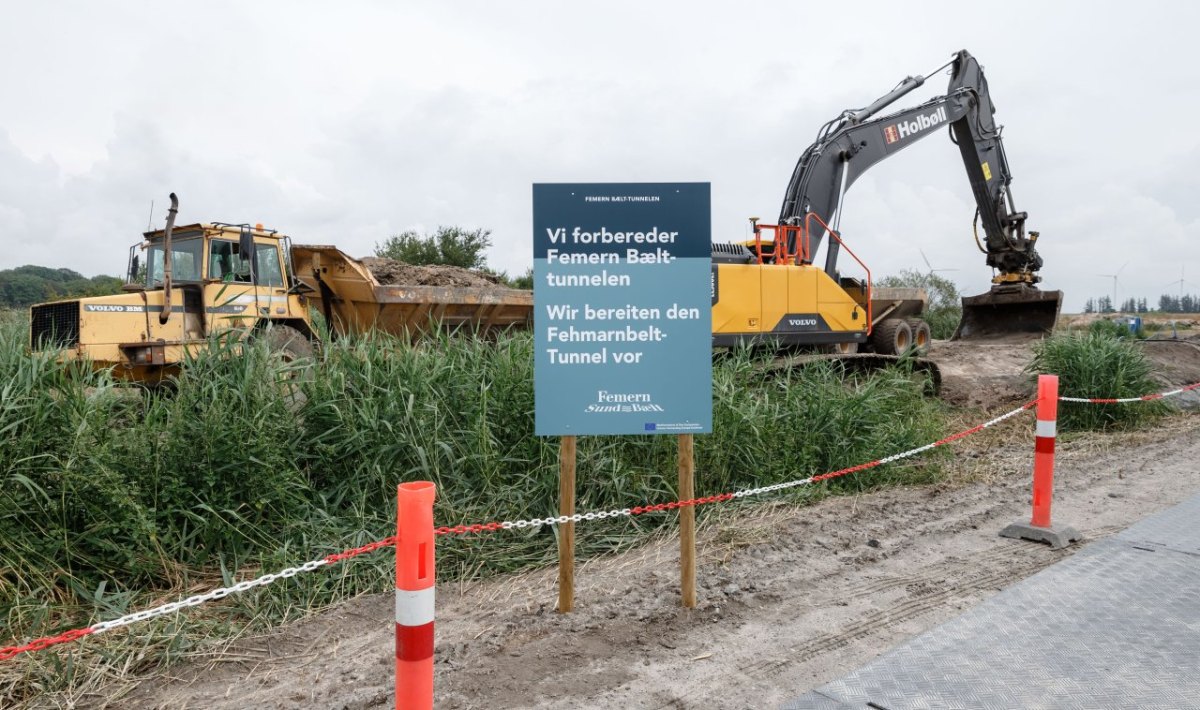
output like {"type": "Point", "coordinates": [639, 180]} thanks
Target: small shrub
{"type": "Point", "coordinates": [1097, 364]}
{"type": "Point", "coordinates": [1114, 329]}
{"type": "Point", "coordinates": [454, 246]}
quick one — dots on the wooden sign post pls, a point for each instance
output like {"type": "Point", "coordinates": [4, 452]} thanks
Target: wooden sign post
{"type": "Point", "coordinates": [566, 531]}
{"type": "Point", "coordinates": [687, 522]}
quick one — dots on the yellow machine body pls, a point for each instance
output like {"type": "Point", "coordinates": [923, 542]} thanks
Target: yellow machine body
{"type": "Point", "coordinates": [213, 293]}
{"type": "Point", "coordinates": [786, 304]}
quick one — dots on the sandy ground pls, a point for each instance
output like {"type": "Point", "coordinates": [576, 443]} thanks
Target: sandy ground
{"type": "Point", "coordinates": [1177, 362]}
{"type": "Point", "coordinates": [790, 598]}
{"type": "Point", "coordinates": [989, 375]}
{"type": "Point", "coordinates": [983, 375]}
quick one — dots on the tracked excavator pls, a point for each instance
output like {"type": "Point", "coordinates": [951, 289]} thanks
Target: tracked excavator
{"type": "Point", "coordinates": [768, 290]}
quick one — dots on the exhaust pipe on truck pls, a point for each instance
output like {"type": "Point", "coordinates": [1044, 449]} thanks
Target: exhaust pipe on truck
{"type": "Point", "coordinates": [166, 311]}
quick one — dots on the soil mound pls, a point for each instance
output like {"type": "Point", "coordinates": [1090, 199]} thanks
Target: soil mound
{"type": "Point", "coordinates": [390, 272]}
{"type": "Point", "coordinates": [1176, 363]}
{"type": "Point", "coordinates": [987, 374]}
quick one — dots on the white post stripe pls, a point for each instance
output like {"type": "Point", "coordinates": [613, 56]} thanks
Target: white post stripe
{"type": "Point", "coordinates": [1047, 428]}
{"type": "Point", "coordinates": [414, 608]}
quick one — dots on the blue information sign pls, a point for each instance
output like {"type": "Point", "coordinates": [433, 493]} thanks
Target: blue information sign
{"type": "Point", "coordinates": [623, 299]}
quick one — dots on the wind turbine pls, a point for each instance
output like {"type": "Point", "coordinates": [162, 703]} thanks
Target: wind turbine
{"type": "Point", "coordinates": [1114, 278]}
{"type": "Point", "coordinates": [932, 270]}
{"type": "Point", "coordinates": [1181, 281]}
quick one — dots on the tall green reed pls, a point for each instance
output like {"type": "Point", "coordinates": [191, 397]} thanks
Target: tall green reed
{"type": "Point", "coordinates": [110, 493]}
{"type": "Point", "coordinates": [1098, 364]}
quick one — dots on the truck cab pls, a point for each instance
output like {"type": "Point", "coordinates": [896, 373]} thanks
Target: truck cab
{"type": "Point", "coordinates": [224, 278]}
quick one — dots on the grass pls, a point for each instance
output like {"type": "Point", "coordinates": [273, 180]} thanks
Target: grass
{"type": "Point", "coordinates": [113, 500]}
{"type": "Point", "coordinates": [1101, 362]}
{"type": "Point", "coordinates": [1158, 329]}
{"type": "Point", "coordinates": [1113, 329]}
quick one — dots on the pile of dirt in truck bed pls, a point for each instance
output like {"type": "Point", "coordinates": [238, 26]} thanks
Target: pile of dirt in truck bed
{"type": "Point", "coordinates": [390, 272]}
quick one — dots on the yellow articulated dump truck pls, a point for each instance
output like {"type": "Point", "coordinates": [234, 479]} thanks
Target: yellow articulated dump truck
{"type": "Point", "coordinates": [186, 284]}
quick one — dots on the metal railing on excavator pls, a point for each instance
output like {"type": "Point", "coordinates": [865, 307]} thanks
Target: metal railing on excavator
{"type": "Point", "coordinates": [791, 244]}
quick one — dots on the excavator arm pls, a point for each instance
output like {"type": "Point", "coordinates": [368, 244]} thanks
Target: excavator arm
{"type": "Point", "coordinates": [849, 145]}
{"type": "Point", "coordinates": [830, 166]}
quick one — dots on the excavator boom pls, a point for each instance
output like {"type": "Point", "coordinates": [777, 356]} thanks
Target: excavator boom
{"type": "Point", "coordinates": [858, 139]}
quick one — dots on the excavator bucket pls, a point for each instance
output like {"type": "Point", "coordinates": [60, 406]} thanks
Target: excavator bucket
{"type": "Point", "coordinates": [1010, 313]}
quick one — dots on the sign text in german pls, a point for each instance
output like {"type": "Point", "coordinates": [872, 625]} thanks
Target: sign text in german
{"type": "Point", "coordinates": [622, 294]}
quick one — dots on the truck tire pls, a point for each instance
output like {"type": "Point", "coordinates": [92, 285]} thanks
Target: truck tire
{"type": "Point", "coordinates": [287, 342]}
{"type": "Point", "coordinates": [922, 336]}
{"type": "Point", "coordinates": [892, 337]}
{"type": "Point", "coordinates": [296, 350]}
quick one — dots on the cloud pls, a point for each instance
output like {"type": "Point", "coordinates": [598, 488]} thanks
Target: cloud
{"type": "Point", "coordinates": [346, 128]}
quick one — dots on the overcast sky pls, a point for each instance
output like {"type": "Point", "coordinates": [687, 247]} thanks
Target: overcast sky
{"type": "Point", "coordinates": [346, 123]}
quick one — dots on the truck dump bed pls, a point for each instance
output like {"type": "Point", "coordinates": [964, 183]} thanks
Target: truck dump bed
{"type": "Point", "coordinates": [896, 302]}
{"type": "Point", "coordinates": [354, 301]}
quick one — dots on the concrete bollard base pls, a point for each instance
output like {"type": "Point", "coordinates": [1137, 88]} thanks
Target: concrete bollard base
{"type": "Point", "coordinates": [1058, 536]}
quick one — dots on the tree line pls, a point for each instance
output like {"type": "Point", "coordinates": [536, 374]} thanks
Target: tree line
{"type": "Point", "coordinates": [1187, 303]}
{"type": "Point", "coordinates": [450, 246]}
{"type": "Point", "coordinates": [26, 285]}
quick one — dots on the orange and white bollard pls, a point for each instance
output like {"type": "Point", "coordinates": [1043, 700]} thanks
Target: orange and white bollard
{"type": "Point", "coordinates": [1043, 449]}
{"type": "Point", "coordinates": [1039, 528]}
{"type": "Point", "coordinates": [414, 596]}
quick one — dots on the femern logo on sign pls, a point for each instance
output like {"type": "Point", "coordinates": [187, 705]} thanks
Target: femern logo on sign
{"type": "Point", "coordinates": [622, 308]}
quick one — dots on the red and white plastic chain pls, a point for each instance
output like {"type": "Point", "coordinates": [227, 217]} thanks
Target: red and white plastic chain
{"type": "Point", "coordinates": [220, 593]}
{"type": "Point", "coordinates": [1126, 400]}
{"type": "Point", "coordinates": [579, 517]}
{"type": "Point", "coordinates": [880, 462]}
{"type": "Point", "coordinates": [195, 600]}
{"type": "Point", "coordinates": [198, 599]}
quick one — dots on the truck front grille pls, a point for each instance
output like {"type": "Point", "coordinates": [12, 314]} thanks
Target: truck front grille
{"type": "Point", "coordinates": [54, 325]}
